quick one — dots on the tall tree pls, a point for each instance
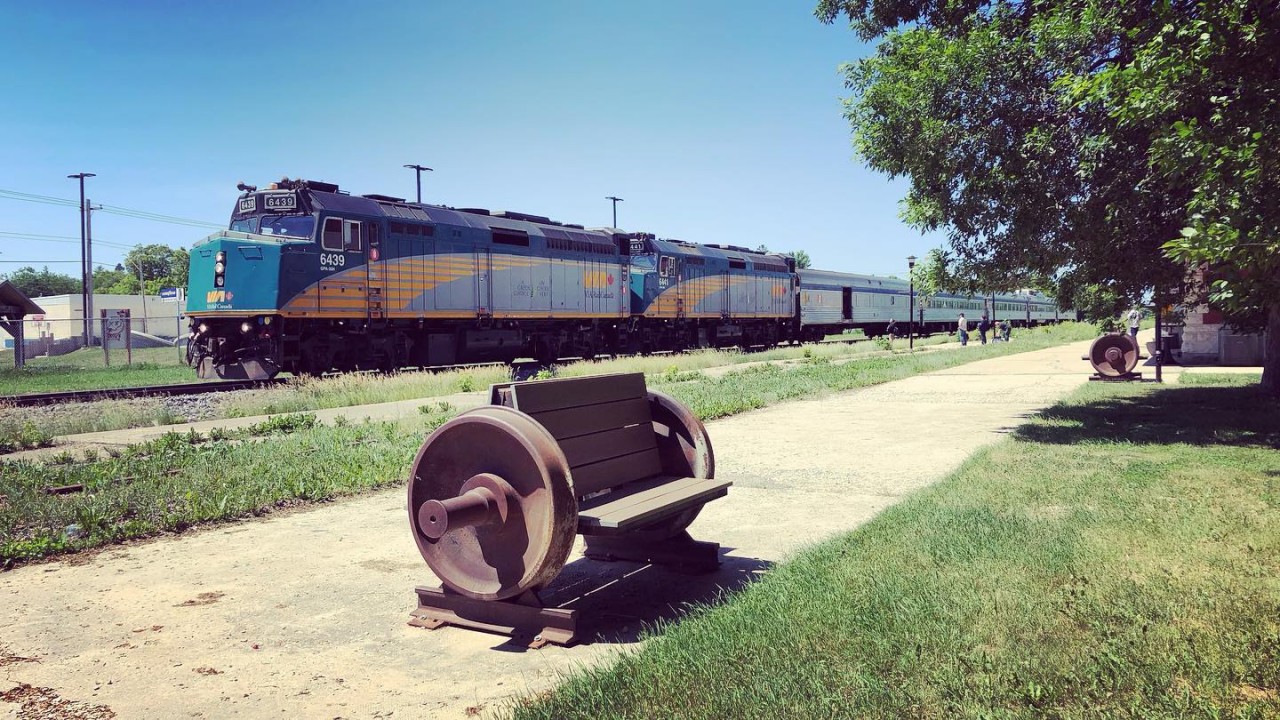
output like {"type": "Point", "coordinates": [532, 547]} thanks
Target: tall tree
{"type": "Point", "coordinates": [801, 258]}
{"type": "Point", "coordinates": [1102, 146]}
{"type": "Point", "coordinates": [159, 266]}
{"type": "Point", "coordinates": [38, 283]}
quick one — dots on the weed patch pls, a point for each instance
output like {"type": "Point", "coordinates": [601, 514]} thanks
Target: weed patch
{"type": "Point", "coordinates": [183, 479]}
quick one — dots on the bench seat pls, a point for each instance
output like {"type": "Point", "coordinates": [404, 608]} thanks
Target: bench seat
{"type": "Point", "coordinates": [636, 503]}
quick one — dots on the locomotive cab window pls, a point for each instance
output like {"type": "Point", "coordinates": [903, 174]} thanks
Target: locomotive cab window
{"type": "Point", "coordinates": [298, 226]}
{"type": "Point", "coordinates": [665, 266]}
{"type": "Point", "coordinates": [351, 236]}
{"type": "Point", "coordinates": [331, 238]}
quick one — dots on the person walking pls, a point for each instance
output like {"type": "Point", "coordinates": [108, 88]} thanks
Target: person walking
{"type": "Point", "coordinates": [983, 326]}
{"type": "Point", "coordinates": [1004, 329]}
{"type": "Point", "coordinates": [892, 328]}
{"type": "Point", "coordinates": [962, 330]}
{"type": "Point", "coordinates": [1135, 319]}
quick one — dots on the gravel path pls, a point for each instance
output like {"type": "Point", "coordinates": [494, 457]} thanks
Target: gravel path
{"type": "Point", "coordinates": [304, 615]}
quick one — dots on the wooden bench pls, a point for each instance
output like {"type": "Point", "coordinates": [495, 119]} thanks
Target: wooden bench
{"type": "Point", "coordinates": [626, 467]}
{"type": "Point", "coordinates": [605, 427]}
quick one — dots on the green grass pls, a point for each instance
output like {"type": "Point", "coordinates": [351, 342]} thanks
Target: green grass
{"type": "Point", "coordinates": [184, 479]}
{"type": "Point", "coordinates": [1118, 557]}
{"type": "Point", "coordinates": [1220, 379]}
{"type": "Point", "coordinates": [84, 370]}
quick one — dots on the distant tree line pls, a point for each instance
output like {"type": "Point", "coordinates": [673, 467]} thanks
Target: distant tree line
{"type": "Point", "coordinates": [159, 266]}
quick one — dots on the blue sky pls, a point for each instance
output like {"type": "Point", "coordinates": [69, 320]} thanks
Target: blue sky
{"type": "Point", "coordinates": [716, 122]}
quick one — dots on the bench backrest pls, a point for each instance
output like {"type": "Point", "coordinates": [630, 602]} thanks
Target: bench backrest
{"type": "Point", "coordinates": [602, 424]}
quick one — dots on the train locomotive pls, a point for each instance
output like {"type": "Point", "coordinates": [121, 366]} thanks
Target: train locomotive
{"type": "Point", "coordinates": [310, 279]}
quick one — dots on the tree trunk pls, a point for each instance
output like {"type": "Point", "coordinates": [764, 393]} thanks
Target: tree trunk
{"type": "Point", "coordinates": [1271, 365]}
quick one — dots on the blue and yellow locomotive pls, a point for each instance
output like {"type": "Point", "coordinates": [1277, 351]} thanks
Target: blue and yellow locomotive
{"type": "Point", "coordinates": [309, 279]}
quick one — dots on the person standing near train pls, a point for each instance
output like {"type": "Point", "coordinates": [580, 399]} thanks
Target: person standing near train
{"type": "Point", "coordinates": [962, 329]}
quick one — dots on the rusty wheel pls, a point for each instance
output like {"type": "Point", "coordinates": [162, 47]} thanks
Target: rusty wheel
{"type": "Point", "coordinates": [492, 505]}
{"type": "Point", "coordinates": [1113, 355]}
{"type": "Point", "coordinates": [685, 448]}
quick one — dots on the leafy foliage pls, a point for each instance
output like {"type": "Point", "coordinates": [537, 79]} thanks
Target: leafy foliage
{"type": "Point", "coordinates": [801, 257]}
{"type": "Point", "coordinates": [38, 283]}
{"type": "Point", "coordinates": [161, 266]}
{"type": "Point", "coordinates": [1104, 147]}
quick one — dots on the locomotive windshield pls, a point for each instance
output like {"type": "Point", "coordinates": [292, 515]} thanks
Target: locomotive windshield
{"type": "Point", "coordinates": [297, 226]}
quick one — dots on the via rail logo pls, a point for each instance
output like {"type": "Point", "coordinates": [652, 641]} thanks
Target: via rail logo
{"type": "Point", "coordinates": [218, 297]}
{"type": "Point", "coordinates": [597, 280]}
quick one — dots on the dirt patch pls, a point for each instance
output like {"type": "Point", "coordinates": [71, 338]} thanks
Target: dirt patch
{"type": "Point", "coordinates": [1257, 694]}
{"type": "Point", "coordinates": [204, 598]}
{"type": "Point", "coordinates": [8, 658]}
{"type": "Point", "coordinates": [44, 704]}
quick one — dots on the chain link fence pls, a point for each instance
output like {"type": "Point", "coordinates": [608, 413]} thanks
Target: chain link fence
{"type": "Point", "coordinates": [52, 342]}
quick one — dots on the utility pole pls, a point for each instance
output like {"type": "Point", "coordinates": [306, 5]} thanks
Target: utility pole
{"type": "Point", "coordinates": [911, 313]}
{"type": "Point", "coordinates": [85, 272]}
{"type": "Point", "coordinates": [615, 200]}
{"type": "Point", "coordinates": [142, 295]}
{"type": "Point", "coordinates": [418, 169]}
{"type": "Point", "coordinates": [88, 255]}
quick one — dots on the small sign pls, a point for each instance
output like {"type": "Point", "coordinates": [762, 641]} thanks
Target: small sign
{"type": "Point", "coordinates": [169, 294]}
{"type": "Point", "coordinates": [248, 204]}
{"type": "Point", "coordinates": [280, 201]}
{"type": "Point", "coordinates": [115, 328]}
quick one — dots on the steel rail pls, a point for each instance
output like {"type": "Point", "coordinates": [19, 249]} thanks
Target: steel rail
{"type": "Point", "coordinates": [196, 388]}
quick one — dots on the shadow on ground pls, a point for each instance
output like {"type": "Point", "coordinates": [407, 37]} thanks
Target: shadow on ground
{"type": "Point", "coordinates": [617, 601]}
{"type": "Point", "coordinates": [1239, 416]}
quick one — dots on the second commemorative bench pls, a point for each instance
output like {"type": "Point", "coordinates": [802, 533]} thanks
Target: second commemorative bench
{"type": "Point", "coordinates": [498, 494]}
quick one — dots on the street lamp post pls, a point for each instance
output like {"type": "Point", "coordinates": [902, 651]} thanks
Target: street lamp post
{"type": "Point", "coordinates": [911, 320]}
{"type": "Point", "coordinates": [615, 200]}
{"type": "Point", "coordinates": [85, 272]}
{"type": "Point", "coordinates": [418, 169]}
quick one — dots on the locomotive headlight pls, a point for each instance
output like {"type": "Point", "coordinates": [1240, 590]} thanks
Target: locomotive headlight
{"type": "Point", "coordinates": [203, 328]}
{"type": "Point", "coordinates": [246, 327]}
{"type": "Point", "coordinates": [218, 281]}
{"type": "Point", "coordinates": [219, 267]}
{"type": "Point", "coordinates": [220, 257]}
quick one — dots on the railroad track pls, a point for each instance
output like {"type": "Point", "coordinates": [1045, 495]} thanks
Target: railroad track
{"type": "Point", "coordinates": [195, 388]}
{"type": "Point", "coordinates": [199, 388]}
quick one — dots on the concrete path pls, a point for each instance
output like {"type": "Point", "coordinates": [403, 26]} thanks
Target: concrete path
{"type": "Point", "coordinates": [304, 614]}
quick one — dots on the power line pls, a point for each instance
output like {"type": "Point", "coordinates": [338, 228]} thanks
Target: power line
{"type": "Point", "coordinates": [113, 209]}
{"type": "Point", "coordinates": [157, 217]}
{"type": "Point", "coordinates": [58, 238]}
{"type": "Point", "coordinates": [39, 262]}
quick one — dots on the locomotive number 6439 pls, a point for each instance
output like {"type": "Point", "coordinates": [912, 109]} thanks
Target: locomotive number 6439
{"type": "Point", "coordinates": [332, 260]}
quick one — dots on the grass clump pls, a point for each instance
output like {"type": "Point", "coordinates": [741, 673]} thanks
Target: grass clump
{"type": "Point", "coordinates": [1117, 557]}
{"type": "Point", "coordinates": [184, 479]}
{"type": "Point", "coordinates": [17, 434]}
{"type": "Point", "coordinates": [84, 369]}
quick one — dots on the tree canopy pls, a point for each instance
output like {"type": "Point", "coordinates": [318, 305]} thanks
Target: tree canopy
{"type": "Point", "coordinates": [161, 266]}
{"type": "Point", "coordinates": [42, 282]}
{"type": "Point", "coordinates": [800, 256]}
{"type": "Point", "coordinates": [1099, 149]}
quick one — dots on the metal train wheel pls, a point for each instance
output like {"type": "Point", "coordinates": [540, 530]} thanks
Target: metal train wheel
{"type": "Point", "coordinates": [524, 539]}
{"type": "Point", "coordinates": [1113, 355]}
{"type": "Point", "coordinates": [685, 449]}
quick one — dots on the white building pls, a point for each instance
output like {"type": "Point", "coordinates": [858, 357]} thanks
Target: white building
{"type": "Point", "coordinates": [64, 315]}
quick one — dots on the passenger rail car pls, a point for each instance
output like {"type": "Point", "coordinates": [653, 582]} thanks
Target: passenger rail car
{"type": "Point", "coordinates": [833, 302]}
